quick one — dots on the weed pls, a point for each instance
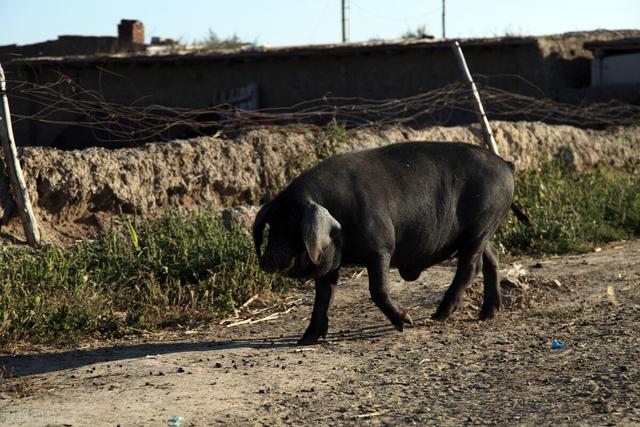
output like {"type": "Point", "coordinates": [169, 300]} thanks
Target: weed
{"type": "Point", "coordinates": [572, 210]}
{"type": "Point", "coordinates": [337, 141]}
{"type": "Point", "coordinates": [149, 274]}
{"type": "Point", "coordinates": [553, 312]}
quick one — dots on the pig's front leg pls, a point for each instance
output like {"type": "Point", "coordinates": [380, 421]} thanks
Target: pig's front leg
{"type": "Point", "coordinates": [319, 324]}
{"type": "Point", "coordinates": [378, 269]}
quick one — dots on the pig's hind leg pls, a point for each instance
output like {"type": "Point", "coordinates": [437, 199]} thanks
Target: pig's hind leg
{"type": "Point", "coordinates": [470, 263]}
{"type": "Point", "coordinates": [491, 300]}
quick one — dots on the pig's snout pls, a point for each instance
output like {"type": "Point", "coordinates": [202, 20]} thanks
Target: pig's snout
{"type": "Point", "coordinates": [274, 264]}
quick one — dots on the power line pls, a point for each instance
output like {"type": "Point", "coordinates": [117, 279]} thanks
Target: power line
{"type": "Point", "coordinates": [397, 19]}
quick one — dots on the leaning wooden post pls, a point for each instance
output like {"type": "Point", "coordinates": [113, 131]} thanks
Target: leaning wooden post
{"type": "Point", "coordinates": [482, 117]}
{"type": "Point", "coordinates": [15, 171]}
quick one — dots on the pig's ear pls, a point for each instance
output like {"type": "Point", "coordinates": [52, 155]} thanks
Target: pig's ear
{"type": "Point", "coordinates": [317, 225]}
{"type": "Point", "coordinates": [259, 224]}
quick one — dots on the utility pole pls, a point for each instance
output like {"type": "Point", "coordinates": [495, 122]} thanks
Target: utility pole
{"type": "Point", "coordinates": [345, 21]}
{"type": "Point", "coordinates": [444, 33]}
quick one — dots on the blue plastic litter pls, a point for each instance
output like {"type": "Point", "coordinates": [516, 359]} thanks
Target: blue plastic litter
{"type": "Point", "coordinates": [180, 370]}
{"type": "Point", "coordinates": [555, 344]}
{"type": "Point", "coordinates": [175, 421]}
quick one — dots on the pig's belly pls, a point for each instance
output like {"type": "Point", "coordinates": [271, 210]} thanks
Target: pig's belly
{"type": "Point", "coordinates": [410, 274]}
{"type": "Point", "coordinates": [410, 269]}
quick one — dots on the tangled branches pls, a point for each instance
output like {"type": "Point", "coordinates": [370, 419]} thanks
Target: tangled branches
{"type": "Point", "coordinates": [65, 102]}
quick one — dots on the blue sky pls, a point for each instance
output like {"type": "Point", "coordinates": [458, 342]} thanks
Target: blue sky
{"type": "Point", "coordinates": [289, 22]}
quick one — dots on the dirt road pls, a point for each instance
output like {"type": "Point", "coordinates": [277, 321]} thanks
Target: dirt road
{"type": "Point", "coordinates": [458, 372]}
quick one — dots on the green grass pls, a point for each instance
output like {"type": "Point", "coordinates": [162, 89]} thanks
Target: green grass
{"type": "Point", "coordinates": [573, 211]}
{"type": "Point", "coordinates": [186, 268]}
{"type": "Point", "coordinates": [337, 141]}
{"type": "Point", "coordinates": [174, 270]}
{"type": "Point", "coordinates": [553, 312]}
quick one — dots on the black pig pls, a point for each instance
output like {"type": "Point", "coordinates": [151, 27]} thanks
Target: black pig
{"type": "Point", "coordinates": [408, 205]}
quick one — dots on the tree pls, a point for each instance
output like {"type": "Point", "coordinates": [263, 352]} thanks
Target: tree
{"type": "Point", "coordinates": [212, 41]}
{"type": "Point", "coordinates": [418, 33]}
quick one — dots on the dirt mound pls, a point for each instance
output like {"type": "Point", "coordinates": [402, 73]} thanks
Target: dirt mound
{"type": "Point", "coordinates": [77, 187]}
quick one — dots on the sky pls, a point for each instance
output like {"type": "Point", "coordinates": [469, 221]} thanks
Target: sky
{"type": "Point", "coordinates": [290, 22]}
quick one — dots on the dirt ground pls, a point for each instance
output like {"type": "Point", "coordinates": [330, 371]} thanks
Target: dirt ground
{"type": "Point", "coordinates": [457, 372]}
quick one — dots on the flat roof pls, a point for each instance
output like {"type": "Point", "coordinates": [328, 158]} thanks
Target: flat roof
{"type": "Point", "coordinates": [253, 53]}
{"type": "Point", "coordinates": [628, 43]}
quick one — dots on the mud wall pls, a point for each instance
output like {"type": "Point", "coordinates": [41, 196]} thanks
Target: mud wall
{"type": "Point", "coordinates": [71, 186]}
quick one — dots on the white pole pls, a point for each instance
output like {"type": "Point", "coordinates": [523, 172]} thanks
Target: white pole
{"type": "Point", "coordinates": [482, 117]}
{"type": "Point", "coordinates": [15, 171]}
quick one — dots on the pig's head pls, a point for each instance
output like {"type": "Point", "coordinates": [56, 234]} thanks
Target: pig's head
{"type": "Point", "coordinates": [304, 240]}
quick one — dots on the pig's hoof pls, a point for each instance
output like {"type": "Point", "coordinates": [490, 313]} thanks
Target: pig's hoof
{"type": "Point", "coordinates": [324, 329]}
{"type": "Point", "coordinates": [313, 333]}
{"type": "Point", "coordinates": [488, 313]}
{"type": "Point", "coordinates": [407, 319]}
{"type": "Point", "coordinates": [442, 314]}
{"type": "Point", "coordinates": [445, 309]}
{"type": "Point", "coordinates": [399, 323]}
{"type": "Point", "coordinates": [308, 340]}
{"type": "Point", "coordinates": [439, 315]}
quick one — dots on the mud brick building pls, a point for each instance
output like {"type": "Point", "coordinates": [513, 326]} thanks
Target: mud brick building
{"type": "Point", "coordinates": [558, 67]}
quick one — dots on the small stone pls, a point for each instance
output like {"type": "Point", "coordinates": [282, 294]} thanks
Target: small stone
{"type": "Point", "coordinates": [556, 283]}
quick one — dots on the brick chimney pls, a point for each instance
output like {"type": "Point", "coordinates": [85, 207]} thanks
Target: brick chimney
{"type": "Point", "coordinates": [130, 31]}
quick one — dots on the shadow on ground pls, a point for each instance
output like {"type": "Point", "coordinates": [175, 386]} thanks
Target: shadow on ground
{"type": "Point", "coordinates": [41, 363]}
